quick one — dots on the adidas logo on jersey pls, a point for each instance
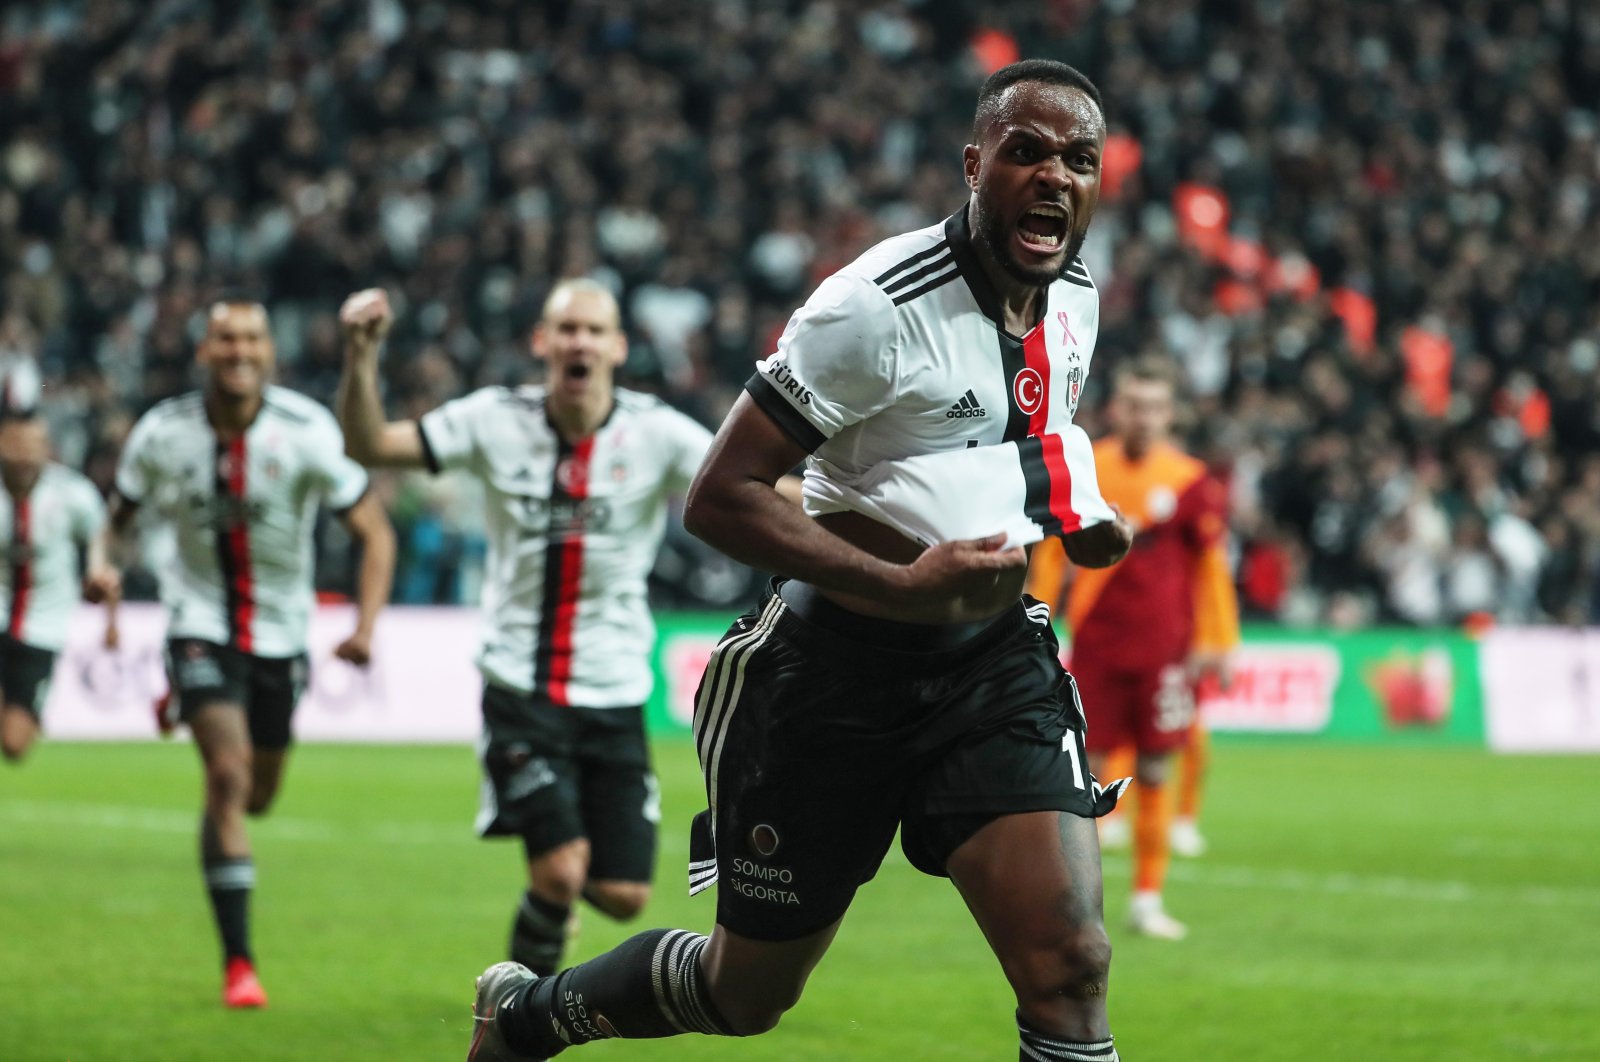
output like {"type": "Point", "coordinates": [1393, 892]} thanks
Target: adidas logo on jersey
{"type": "Point", "coordinates": [966, 407]}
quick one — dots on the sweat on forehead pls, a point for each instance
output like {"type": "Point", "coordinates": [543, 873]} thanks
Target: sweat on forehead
{"type": "Point", "coordinates": [1029, 101]}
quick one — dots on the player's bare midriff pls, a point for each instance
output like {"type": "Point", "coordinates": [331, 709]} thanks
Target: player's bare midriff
{"type": "Point", "coordinates": [884, 542]}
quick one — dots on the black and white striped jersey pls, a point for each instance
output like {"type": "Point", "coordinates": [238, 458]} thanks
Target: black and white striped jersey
{"type": "Point", "coordinates": [901, 357]}
{"type": "Point", "coordinates": [573, 532]}
{"type": "Point", "coordinates": [244, 511]}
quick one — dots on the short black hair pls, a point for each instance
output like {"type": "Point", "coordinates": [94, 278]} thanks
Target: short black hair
{"type": "Point", "coordinates": [1047, 71]}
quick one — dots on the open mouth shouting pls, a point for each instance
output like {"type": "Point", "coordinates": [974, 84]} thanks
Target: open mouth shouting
{"type": "Point", "coordinates": [1042, 229]}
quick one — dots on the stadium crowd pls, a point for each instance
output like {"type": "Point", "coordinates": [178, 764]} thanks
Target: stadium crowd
{"type": "Point", "coordinates": [1370, 233]}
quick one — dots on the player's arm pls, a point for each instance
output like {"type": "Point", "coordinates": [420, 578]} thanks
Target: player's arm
{"type": "Point", "coordinates": [101, 581]}
{"type": "Point", "coordinates": [108, 551]}
{"type": "Point", "coordinates": [369, 438]}
{"type": "Point", "coordinates": [734, 505]}
{"type": "Point", "coordinates": [1216, 604]}
{"type": "Point", "coordinates": [369, 526]}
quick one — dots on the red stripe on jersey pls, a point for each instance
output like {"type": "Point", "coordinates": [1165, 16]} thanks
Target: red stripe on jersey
{"type": "Point", "coordinates": [1037, 357]}
{"type": "Point", "coordinates": [236, 541]}
{"type": "Point", "coordinates": [569, 578]}
{"type": "Point", "coordinates": [21, 565]}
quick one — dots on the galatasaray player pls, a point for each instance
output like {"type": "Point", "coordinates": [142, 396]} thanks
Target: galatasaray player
{"type": "Point", "coordinates": [578, 474]}
{"type": "Point", "coordinates": [1145, 630]}
{"type": "Point", "coordinates": [239, 468]}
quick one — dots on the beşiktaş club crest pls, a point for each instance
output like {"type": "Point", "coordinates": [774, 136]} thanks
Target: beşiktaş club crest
{"type": "Point", "coordinates": [572, 474]}
{"type": "Point", "coordinates": [1074, 384]}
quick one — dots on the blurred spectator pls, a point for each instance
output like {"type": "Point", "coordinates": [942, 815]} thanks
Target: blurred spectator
{"type": "Point", "coordinates": [1369, 231]}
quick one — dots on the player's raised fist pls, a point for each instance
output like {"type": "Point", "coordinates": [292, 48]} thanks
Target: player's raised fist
{"type": "Point", "coordinates": [366, 317]}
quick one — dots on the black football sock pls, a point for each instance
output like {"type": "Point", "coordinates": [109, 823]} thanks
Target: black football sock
{"type": "Point", "coordinates": [1042, 1047]}
{"type": "Point", "coordinates": [229, 880]}
{"type": "Point", "coordinates": [647, 987]}
{"type": "Point", "coordinates": [539, 934]}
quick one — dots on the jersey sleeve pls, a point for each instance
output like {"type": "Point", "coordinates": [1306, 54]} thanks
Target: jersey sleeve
{"type": "Point", "coordinates": [1216, 605]}
{"type": "Point", "coordinates": [450, 435]}
{"type": "Point", "coordinates": [688, 442]}
{"type": "Point", "coordinates": [136, 474]}
{"type": "Point", "coordinates": [342, 481]}
{"type": "Point", "coordinates": [835, 364]}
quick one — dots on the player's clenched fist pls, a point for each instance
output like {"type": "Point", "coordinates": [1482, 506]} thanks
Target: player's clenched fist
{"type": "Point", "coordinates": [1100, 545]}
{"type": "Point", "coordinates": [366, 318]}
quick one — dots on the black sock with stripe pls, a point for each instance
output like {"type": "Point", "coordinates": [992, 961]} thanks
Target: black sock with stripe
{"type": "Point", "coordinates": [1042, 1047]}
{"type": "Point", "coordinates": [647, 987]}
{"type": "Point", "coordinates": [539, 934]}
{"type": "Point", "coordinates": [229, 881]}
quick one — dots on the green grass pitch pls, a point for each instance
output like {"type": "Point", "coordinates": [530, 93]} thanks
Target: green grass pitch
{"type": "Point", "coordinates": [1358, 903]}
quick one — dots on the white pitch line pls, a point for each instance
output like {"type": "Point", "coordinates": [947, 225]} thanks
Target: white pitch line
{"type": "Point", "coordinates": [1424, 890]}
{"type": "Point", "coordinates": [1205, 874]}
{"type": "Point", "coordinates": [163, 820]}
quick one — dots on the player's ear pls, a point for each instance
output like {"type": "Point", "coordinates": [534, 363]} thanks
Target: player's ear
{"type": "Point", "coordinates": [970, 164]}
{"type": "Point", "coordinates": [619, 350]}
{"type": "Point", "coordinates": [538, 342]}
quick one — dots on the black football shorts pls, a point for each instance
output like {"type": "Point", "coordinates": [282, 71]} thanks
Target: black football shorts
{"type": "Point", "coordinates": [554, 773]}
{"type": "Point", "coordinates": [267, 688]}
{"type": "Point", "coordinates": [820, 732]}
{"type": "Point", "coordinates": [25, 672]}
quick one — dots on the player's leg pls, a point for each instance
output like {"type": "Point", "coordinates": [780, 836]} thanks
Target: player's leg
{"type": "Point", "coordinates": [18, 731]}
{"type": "Point", "coordinates": [531, 793]}
{"type": "Point", "coordinates": [211, 684]}
{"type": "Point", "coordinates": [621, 806]}
{"type": "Point", "coordinates": [25, 673]}
{"type": "Point", "coordinates": [275, 690]}
{"type": "Point", "coordinates": [796, 832]}
{"type": "Point", "coordinates": [1194, 762]}
{"type": "Point", "coordinates": [222, 736]}
{"type": "Point", "coordinates": [544, 918]}
{"type": "Point", "coordinates": [1167, 713]}
{"type": "Point", "coordinates": [1116, 832]}
{"type": "Point", "coordinates": [1032, 882]}
{"type": "Point", "coordinates": [1006, 810]}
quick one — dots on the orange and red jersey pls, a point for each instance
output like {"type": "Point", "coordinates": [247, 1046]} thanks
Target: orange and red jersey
{"type": "Point", "coordinates": [1173, 592]}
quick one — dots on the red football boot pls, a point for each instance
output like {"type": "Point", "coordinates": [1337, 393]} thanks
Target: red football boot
{"type": "Point", "coordinates": [240, 985]}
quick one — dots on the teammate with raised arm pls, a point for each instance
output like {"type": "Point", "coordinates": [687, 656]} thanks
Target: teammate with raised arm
{"type": "Point", "coordinates": [48, 513]}
{"type": "Point", "coordinates": [239, 468]}
{"type": "Point", "coordinates": [884, 684]}
{"type": "Point", "coordinates": [578, 473]}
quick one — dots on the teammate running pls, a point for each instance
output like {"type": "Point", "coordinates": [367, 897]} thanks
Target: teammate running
{"type": "Point", "coordinates": [578, 474]}
{"type": "Point", "coordinates": [1175, 590]}
{"type": "Point", "coordinates": [885, 685]}
{"type": "Point", "coordinates": [48, 513]}
{"type": "Point", "coordinates": [244, 465]}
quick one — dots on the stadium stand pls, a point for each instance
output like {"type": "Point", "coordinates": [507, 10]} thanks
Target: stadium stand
{"type": "Point", "coordinates": [1377, 256]}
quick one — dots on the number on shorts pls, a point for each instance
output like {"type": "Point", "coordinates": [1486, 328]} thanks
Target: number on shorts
{"type": "Point", "coordinates": [1175, 705]}
{"type": "Point", "coordinates": [1069, 745]}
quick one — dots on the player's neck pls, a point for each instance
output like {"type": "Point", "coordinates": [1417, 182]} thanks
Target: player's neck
{"type": "Point", "coordinates": [1021, 305]}
{"type": "Point", "coordinates": [577, 417]}
{"type": "Point", "coordinates": [1134, 452]}
{"type": "Point", "coordinates": [22, 485]}
{"type": "Point", "coordinates": [231, 416]}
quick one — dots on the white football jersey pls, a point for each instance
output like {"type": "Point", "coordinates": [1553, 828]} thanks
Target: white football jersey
{"type": "Point", "coordinates": [902, 355]}
{"type": "Point", "coordinates": [43, 532]}
{"type": "Point", "coordinates": [244, 513]}
{"type": "Point", "coordinates": [573, 533]}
